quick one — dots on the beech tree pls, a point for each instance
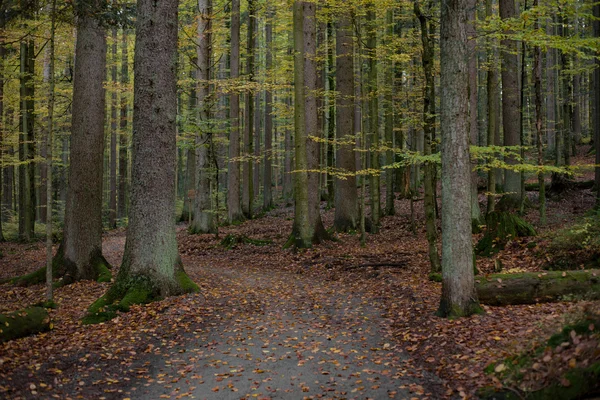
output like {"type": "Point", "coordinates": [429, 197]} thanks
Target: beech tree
{"type": "Point", "coordinates": [151, 266]}
{"type": "Point", "coordinates": [459, 297]}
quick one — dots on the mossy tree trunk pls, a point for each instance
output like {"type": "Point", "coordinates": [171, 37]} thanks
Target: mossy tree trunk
{"type": "Point", "coordinates": [80, 256]}
{"type": "Point", "coordinates": [151, 265]}
{"type": "Point", "coordinates": [538, 287]}
{"type": "Point", "coordinates": [458, 284]}
{"type": "Point", "coordinates": [23, 323]}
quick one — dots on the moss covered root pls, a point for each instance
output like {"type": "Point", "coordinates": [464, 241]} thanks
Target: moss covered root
{"type": "Point", "coordinates": [502, 227]}
{"type": "Point", "coordinates": [231, 241]}
{"type": "Point", "coordinates": [23, 323]}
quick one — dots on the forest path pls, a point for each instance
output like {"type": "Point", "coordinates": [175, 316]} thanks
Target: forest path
{"type": "Point", "coordinates": [281, 335]}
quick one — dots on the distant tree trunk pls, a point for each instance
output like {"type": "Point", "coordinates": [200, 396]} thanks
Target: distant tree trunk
{"type": "Point", "coordinates": [267, 176]}
{"type": "Point", "coordinates": [49, 138]}
{"type": "Point", "coordinates": [234, 207]}
{"type": "Point", "coordinates": [537, 76]}
{"type": "Point", "coordinates": [27, 201]}
{"type": "Point", "coordinates": [151, 265]}
{"type": "Point", "coordinates": [390, 208]}
{"type": "Point", "coordinates": [288, 187]}
{"type": "Point", "coordinates": [458, 286]}
{"type": "Point", "coordinates": [551, 92]}
{"type": "Point", "coordinates": [80, 254]}
{"type": "Point", "coordinates": [493, 104]}
{"type": "Point", "coordinates": [596, 99]}
{"type": "Point", "coordinates": [204, 216]}
{"type": "Point", "coordinates": [123, 142]}
{"type": "Point", "coordinates": [373, 98]}
{"type": "Point", "coordinates": [191, 176]}
{"type": "Point", "coordinates": [330, 114]}
{"type": "Point", "coordinates": [428, 128]}
{"type": "Point", "coordinates": [2, 121]}
{"type": "Point", "coordinates": [510, 107]}
{"type": "Point", "coordinates": [310, 116]}
{"type": "Point", "coordinates": [247, 175]}
{"type": "Point", "coordinates": [112, 203]}
{"type": "Point", "coordinates": [346, 208]}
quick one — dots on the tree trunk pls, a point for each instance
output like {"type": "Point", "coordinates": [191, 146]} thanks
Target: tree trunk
{"type": "Point", "coordinates": [550, 92]}
{"type": "Point", "coordinates": [510, 107]}
{"type": "Point", "coordinates": [49, 143]}
{"type": "Point", "coordinates": [123, 135]}
{"type": "Point", "coordinates": [248, 165]}
{"type": "Point", "coordinates": [204, 216]}
{"type": "Point", "coordinates": [537, 76]}
{"type": "Point", "coordinates": [428, 128]}
{"type": "Point", "coordinates": [3, 203]}
{"type": "Point", "coordinates": [458, 291]}
{"type": "Point", "coordinates": [234, 206]}
{"type": "Point", "coordinates": [493, 126]}
{"type": "Point", "coordinates": [151, 265]}
{"type": "Point", "coordinates": [81, 250]}
{"type": "Point", "coordinates": [390, 208]}
{"type": "Point", "coordinates": [268, 156]}
{"type": "Point", "coordinates": [596, 99]}
{"type": "Point", "coordinates": [191, 172]}
{"type": "Point", "coordinates": [112, 203]}
{"type": "Point", "coordinates": [346, 208]}
{"type": "Point", "coordinates": [536, 287]}
{"type": "Point", "coordinates": [373, 99]}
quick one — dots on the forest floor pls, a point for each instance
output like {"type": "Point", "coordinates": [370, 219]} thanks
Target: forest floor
{"type": "Point", "coordinates": [268, 323]}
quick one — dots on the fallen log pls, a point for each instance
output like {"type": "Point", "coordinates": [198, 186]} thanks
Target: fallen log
{"type": "Point", "coordinates": [538, 287]}
{"type": "Point", "coordinates": [23, 323]}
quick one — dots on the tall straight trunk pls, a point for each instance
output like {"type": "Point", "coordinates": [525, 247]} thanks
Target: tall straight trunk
{"type": "Point", "coordinates": [390, 208]}
{"type": "Point", "coordinates": [476, 217]}
{"type": "Point", "coordinates": [346, 205]}
{"type": "Point", "coordinates": [311, 120]}
{"type": "Point", "coordinates": [596, 108]}
{"type": "Point", "coordinates": [428, 127]}
{"type": "Point", "coordinates": [268, 156]}
{"type": "Point", "coordinates": [123, 134]}
{"type": "Point", "coordinates": [537, 77]}
{"type": "Point", "coordinates": [26, 141]}
{"type": "Point", "coordinates": [301, 232]}
{"type": "Point", "coordinates": [112, 203]}
{"type": "Point", "coordinates": [151, 264]}
{"type": "Point", "coordinates": [43, 166]}
{"type": "Point", "coordinates": [565, 143]}
{"type": "Point", "coordinates": [459, 297]}
{"type": "Point", "coordinates": [204, 217]}
{"type": "Point", "coordinates": [190, 166]}
{"type": "Point", "coordinates": [49, 138]}
{"type": "Point", "coordinates": [234, 206]}
{"type": "Point", "coordinates": [288, 186]}
{"type": "Point", "coordinates": [247, 175]}
{"type": "Point", "coordinates": [510, 107]}
{"type": "Point", "coordinates": [550, 92]}
{"type": "Point", "coordinates": [81, 250]}
{"type": "Point", "coordinates": [330, 114]}
{"type": "Point", "coordinates": [493, 107]}
{"type": "Point", "coordinates": [2, 121]}
{"type": "Point", "coordinates": [373, 99]}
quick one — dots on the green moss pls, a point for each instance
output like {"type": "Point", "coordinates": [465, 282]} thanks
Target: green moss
{"type": "Point", "coordinates": [502, 227]}
{"type": "Point", "coordinates": [231, 241]}
{"type": "Point", "coordinates": [186, 283]}
{"type": "Point", "coordinates": [581, 327]}
{"type": "Point", "coordinates": [36, 277]}
{"type": "Point", "coordinates": [23, 323]}
{"type": "Point", "coordinates": [435, 277]}
{"type": "Point", "coordinates": [104, 274]}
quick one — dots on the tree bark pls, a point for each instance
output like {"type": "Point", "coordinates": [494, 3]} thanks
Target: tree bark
{"type": "Point", "coordinates": [268, 156]}
{"type": "Point", "coordinates": [390, 208]}
{"type": "Point", "coordinates": [112, 203]}
{"type": "Point", "coordinates": [596, 99]}
{"type": "Point", "coordinates": [81, 250]}
{"type": "Point", "coordinates": [204, 216]}
{"type": "Point", "coordinates": [493, 104]}
{"type": "Point", "coordinates": [123, 134]}
{"type": "Point", "coordinates": [510, 106]}
{"type": "Point", "coordinates": [234, 206]}
{"type": "Point", "coordinates": [248, 165]}
{"type": "Point", "coordinates": [151, 263]}
{"type": "Point", "coordinates": [346, 208]}
{"type": "Point", "coordinates": [458, 291]}
{"type": "Point", "coordinates": [535, 287]}
{"type": "Point", "coordinates": [373, 99]}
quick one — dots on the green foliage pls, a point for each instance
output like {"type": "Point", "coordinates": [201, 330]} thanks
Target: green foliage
{"type": "Point", "coordinates": [231, 241]}
{"type": "Point", "coordinates": [576, 245]}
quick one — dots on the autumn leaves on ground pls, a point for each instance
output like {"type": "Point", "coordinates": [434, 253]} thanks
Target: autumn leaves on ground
{"type": "Point", "coordinates": [335, 321]}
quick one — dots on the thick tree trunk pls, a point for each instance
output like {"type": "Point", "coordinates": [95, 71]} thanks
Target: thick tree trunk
{"type": "Point", "coordinates": [123, 134]}
{"type": "Point", "coordinates": [346, 206]}
{"type": "Point", "coordinates": [458, 291]}
{"type": "Point", "coordinates": [204, 217]}
{"type": "Point", "coordinates": [81, 250]}
{"type": "Point", "coordinates": [151, 265]}
{"type": "Point", "coordinates": [538, 287]}
{"type": "Point", "coordinates": [510, 107]}
{"type": "Point", "coordinates": [234, 206]}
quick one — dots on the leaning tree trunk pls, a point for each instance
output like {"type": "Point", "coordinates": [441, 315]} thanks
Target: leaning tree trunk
{"type": "Point", "coordinates": [234, 205]}
{"type": "Point", "coordinates": [204, 217]}
{"type": "Point", "coordinates": [346, 204]}
{"type": "Point", "coordinates": [458, 291]}
{"type": "Point", "coordinates": [151, 266]}
{"type": "Point", "coordinates": [80, 254]}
